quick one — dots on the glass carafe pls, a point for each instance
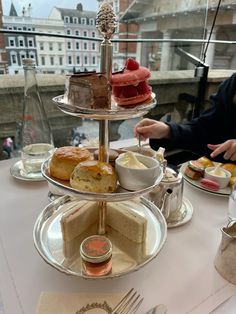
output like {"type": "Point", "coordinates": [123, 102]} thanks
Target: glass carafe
{"type": "Point", "coordinates": [36, 136]}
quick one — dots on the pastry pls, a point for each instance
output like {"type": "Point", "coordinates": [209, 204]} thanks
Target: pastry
{"type": "Point", "coordinates": [65, 159]}
{"type": "Point", "coordinates": [113, 154]}
{"type": "Point", "coordinates": [232, 181]}
{"type": "Point", "coordinates": [130, 85]}
{"type": "Point", "coordinates": [89, 90]}
{"type": "Point", "coordinates": [94, 176]}
{"type": "Point", "coordinates": [206, 162]}
{"type": "Point", "coordinates": [230, 167]}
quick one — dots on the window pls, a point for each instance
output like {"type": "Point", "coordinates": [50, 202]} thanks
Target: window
{"type": "Point", "coordinates": [69, 60]}
{"type": "Point", "coordinates": [77, 45]}
{"type": "Point", "coordinates": [12, 42]}
{"type": "Point", "coordinates": [68, 32]}
{"type": "Point", "coordinates": [75, 20]}
{"type": "Point", "coordinates": [22, 56]}
{"type": "Point", "coordinates": [91, 22]}
{"type": "Point", "coordinates": [93, 46]}
{"type": "Point", "coordinates": [78, 59]}
{"type": "Point", "coordinates": [60, 46]}
{"type": "Point", "coordinates": [93, 60]}
{"type": "Point", "coordinates": [52, 60]}
{"type": "Point", "coordinates": [93, 34]}
{"type": "Point", "coordinates": [50, 46]}
{"type": "Point", "coordinates": [13, 58]}
{"type": "Point", "coordinates": [85, 46]}
{"type": "Point", "coordinates": [21, 43]}
{"type": "Point", "coordinates": [43, 60]}
{"type": "Point", "coordinates": [85, 34]}
{"type": "Point", "coordinates": [69, 45]}
{"type": "Point", "coordinates": [86, 60]}
{"type": "Point", "coordinates": [30, 43]}
{"type": "Point", "coordinates": [60, 61]}
{"type": "Point", "coordinates": [83, 20]}
{"type": "Point", "coordinates": [41, 46]}
{"type": "Point", "coordinates": [77, 33]}
{"type": "Point", "coordinates": [66, 19]}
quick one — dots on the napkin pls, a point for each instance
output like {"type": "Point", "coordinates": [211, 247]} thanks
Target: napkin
{"type": "Point", "coordinates": [73, 303]}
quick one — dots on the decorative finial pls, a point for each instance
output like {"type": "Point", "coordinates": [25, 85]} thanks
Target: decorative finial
{"type": "Point", "coordinates": [106, 21]}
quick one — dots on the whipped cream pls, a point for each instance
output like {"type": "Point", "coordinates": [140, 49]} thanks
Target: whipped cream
{"type": "Point", "coordinates": [129, 160]}
{"type": "Point", "coordinates": [218, 172]}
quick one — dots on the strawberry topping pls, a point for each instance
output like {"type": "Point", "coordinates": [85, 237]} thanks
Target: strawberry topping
{"type": "Point", "coordinates": [131, 64]}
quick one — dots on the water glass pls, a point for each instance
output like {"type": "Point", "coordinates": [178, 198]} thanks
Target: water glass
{"type": "Point", "coordinates": [232, 205]}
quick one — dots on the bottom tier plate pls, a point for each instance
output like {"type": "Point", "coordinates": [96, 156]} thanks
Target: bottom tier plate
{"type": "Point", "coordinates": [127, 256]}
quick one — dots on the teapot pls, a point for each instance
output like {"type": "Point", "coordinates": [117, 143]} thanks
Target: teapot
{"type": "Point", "coordinates": [226, 254]}
{"type": "Point", "coordinates": [168, 195]}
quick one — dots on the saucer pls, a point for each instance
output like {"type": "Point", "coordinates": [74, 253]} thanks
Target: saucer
{"type": "Point", "coordinates": [17, 171]}
{"type": "Point", "coordinates": [93, 308]}
{"type": "Point", "coordinates": [187, 210]}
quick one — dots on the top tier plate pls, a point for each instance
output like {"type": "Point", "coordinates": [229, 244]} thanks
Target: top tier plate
{"type": "Point", "coordinates": [115, 113]}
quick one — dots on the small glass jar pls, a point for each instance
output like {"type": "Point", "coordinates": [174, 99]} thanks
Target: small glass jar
{"type": "Point", "coordinates": [96, 256]}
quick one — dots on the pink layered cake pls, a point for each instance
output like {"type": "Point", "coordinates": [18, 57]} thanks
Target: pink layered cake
{"type": "Point", "coordinates": [130, 86]}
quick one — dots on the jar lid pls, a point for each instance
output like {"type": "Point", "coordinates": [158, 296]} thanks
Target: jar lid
{"type": "Point", "coordinates": [96, 249]}
{"type": "Point", "coordinates": [196, 165]}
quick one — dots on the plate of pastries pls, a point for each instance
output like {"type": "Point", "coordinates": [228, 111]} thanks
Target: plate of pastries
{"type": "Point", "coordinates": [77, 171]}
{"type": "Point", "coordinates": [210, 176]}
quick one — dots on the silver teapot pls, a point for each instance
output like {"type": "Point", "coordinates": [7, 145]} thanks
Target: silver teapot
{"type": "Point", "coordinates": [168, 195]}
{"type": "Point", "coordinates": [226, 254]}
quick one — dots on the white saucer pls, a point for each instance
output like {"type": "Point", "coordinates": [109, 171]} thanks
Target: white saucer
{"type": "Point", "coordinates": [187, 209]}
{"type": "Point", "coordinates": [17, 171]}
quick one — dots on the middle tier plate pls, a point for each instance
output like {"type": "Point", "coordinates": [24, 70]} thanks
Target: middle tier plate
{"type": "Point", "coordinates": [115, 113]}
{"type": "Point", "coordinates": [64, 188]}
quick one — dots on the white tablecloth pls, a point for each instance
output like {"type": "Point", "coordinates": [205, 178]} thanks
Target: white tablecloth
{"type": "Point", "coordinates": [182, 276]}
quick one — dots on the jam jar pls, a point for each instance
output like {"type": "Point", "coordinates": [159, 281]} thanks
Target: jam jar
{"type": "Point", "coordinates": [96, 256]}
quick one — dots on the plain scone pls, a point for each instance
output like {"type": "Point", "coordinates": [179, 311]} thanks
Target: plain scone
{"type": "Point", "coordinates": [65, 159]}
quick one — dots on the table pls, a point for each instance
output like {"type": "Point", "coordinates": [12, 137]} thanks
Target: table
{"type": "Point", "coordinates": [182, 276]}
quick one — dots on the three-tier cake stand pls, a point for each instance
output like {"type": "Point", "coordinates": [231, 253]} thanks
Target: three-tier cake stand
{"type": "Point", "coordinates": [127, 256]}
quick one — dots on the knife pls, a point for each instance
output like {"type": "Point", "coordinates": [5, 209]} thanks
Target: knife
{"type": "Point", "coordinates": [158, 309]}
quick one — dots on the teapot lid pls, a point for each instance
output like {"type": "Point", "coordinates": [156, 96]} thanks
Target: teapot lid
{"type": "Point", "coordinates": [171, 175]}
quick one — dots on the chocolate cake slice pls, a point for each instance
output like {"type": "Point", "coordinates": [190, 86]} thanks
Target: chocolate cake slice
{"type": "Point", "coordinates": [89, 90]}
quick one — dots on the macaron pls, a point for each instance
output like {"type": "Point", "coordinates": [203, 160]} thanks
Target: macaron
{"type": "Point", "coordinates": [130, 86]}
{"type": "Point", "coordinates": [209, 184]}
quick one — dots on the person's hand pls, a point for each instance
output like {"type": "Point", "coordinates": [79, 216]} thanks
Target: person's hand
{"type": "Point", "coordinates": [229, 147]}
{"type": "Point", "coordinates": [148, 128]}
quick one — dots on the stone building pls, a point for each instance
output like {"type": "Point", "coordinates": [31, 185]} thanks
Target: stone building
{"type": "Point", "coordinates": [3, 57]}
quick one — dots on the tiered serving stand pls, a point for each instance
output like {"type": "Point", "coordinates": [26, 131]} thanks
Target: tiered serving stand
{"type": "Point", "coordinates": [127, 256]}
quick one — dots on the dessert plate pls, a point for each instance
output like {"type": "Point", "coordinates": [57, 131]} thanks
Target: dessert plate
{"type": "Point", "coordinates": [196, 183]}
{"type": "Point", "coordinates": [127, 256]}
{"type": "Point", "coordinates": [119, 195]}
{"type": "Point", "coordinates": [17, 171]}
{"type": "Point", "coordinates": [115, 113]}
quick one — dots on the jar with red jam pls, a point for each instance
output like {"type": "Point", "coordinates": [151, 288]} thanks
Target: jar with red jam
{"type": "Point", "coordinates": [96, 256]}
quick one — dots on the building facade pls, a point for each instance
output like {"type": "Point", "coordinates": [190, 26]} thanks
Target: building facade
{"type": "Point", "coordinates": [3, 56]}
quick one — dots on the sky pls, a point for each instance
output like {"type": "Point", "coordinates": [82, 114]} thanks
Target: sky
{"type": "Point", "coordinates": [42, 8]}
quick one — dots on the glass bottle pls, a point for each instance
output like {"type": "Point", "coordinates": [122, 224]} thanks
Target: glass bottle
{"type": "Point", "coordinates": [36, 136]}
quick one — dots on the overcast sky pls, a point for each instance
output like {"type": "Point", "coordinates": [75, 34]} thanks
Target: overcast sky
{"type": "Point", "coordinates": [42, 8]}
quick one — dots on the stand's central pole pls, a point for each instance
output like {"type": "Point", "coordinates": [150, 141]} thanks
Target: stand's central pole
{"type": "Point", "coordinates": [106, 24]}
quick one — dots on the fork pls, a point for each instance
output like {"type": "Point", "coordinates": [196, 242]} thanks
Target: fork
{"type": "Point", "coordinates": [128, 304]}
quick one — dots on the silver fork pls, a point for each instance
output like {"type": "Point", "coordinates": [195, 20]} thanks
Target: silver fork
{"type": "Point", "coordinates": [128, 304]}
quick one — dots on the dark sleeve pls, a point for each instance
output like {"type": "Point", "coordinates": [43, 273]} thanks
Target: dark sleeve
{"type": "Point", "coordinates": [212, 126]}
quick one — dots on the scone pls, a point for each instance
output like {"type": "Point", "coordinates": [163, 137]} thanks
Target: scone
{"type": "Point", "coordinates": [94, 176]}
{"type": "Point", "coordinates": [65, 159]}
{"type": "Point", "coordinates": [230, 167]}
{"type": "Point", "coordinates": [206, 162]}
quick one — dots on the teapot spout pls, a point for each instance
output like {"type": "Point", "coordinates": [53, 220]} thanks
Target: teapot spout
{"type": "Point", "coordinates": [165, 203]}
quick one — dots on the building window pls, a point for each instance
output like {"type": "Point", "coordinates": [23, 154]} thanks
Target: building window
{"type": "Point", "coordinates": [50, 46]}
{"type": "Point", "coordinates": [93, 46]}
{"type": "Point", "coordinates": [68, 32]}
{"type": "Point", "coordinates": [43, 60]}
{"type": "Point", "coordinates": [52, 60]}
{"type": "Point", "coordinates": [59, 46]}
{"type": "Point", "coordinates": [60, 61]}
{"type": "Point", "coordinates": [69, 45]}
{"type": "Point", "coordinates": [66, 19]}
{"type": "Point", "coordinates": [85, 46]}
{"type": "Point", "coordinates": [85, 60]}
{"type": "Point", "coordinates": [21, 43]}
{"type": "Point", "coordinates": [93, 60]}
{"type": "Point", "coordinates": [83, 20]}
{"type": "Point", "coordinates": [93, 34]}
{"type": "Point", "coordinates": [13, 59]}
{"type": "Point", "coordinates": [22, 56]}
{"type": "Point", "coordinates": [91, 21]}
{"type": "Point", "coordinates": [77, 45]}
{"type": "Point", "coordinates": [78, 59]}
{"type": "Point", "coordinates": [12, 42]}
{"type": "Point", "coordinates": [41, 46]}
{"type": "Point", "coordinates": [85, 34]}
{"type": "Point", "coordinates": [75, 20]}
{"type": "Point", "coordinates": [77, 33]}
{"type": "Point", "coordinates": [69, 60]}
{"type": "Point", "coordinates": [30, 43]}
